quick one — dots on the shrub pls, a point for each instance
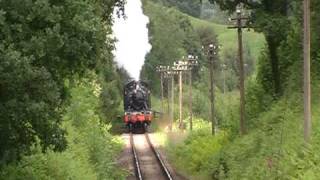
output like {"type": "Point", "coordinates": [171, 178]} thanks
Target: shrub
{"type": "Point", "coordinates": [49, 165]}
{"type": "Point", "coordinates": [91, 149]}
{"type": "Point", "coordinates": [194, 154]}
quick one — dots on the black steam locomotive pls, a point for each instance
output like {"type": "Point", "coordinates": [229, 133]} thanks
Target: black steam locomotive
{"type": "Point", "coordinates": [137, 105]}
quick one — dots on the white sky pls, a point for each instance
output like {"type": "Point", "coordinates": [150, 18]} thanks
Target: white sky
{"type": "Point", "coordinates": [132, 36]}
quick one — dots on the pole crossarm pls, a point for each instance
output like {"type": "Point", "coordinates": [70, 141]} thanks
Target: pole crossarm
{"type": "Point", "coordinates": [211, 51]}
{"type": "Point", "coordinates": [240, 21]}
{"type": "Point", "coordinates": [186, 64]}
{"type": "Point", "coordinates": [238, 27]}
{"type": "Point", "coordinates": [161, 68]}
{"type": "Point", "coordinates": [168, 71]}
{"type": "Point", "coordinates": [242, 18]}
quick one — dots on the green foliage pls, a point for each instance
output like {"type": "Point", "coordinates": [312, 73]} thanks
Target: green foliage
{"type": "Point", "coordinates": [274, 147]}
{"type": "Point", "coordinates": [200, 100]}
{"type": "Point", "coordinates": [29, 106]}
{"type": "Point", "coordinates": [253, 43]}
{"type": "Point", "coordinates": [193, 156]}
{"type": "Point", "coordinates": [175, 34]}
{"type": "Point", "coordinates": [91, 150]}
{"type": "Point", "coordinates": [190, 7]}
{"type": "Point", "coordinates": [44, 43]}
{"type": "Point", "coordinates": [172, 38]}
{"type": "Point", "coordinates": [213, 13]}
{"type": "Point", "coordinates": [89, 133]}
{"type": "Point", "coordinates": [257, 101]}
{"type": "Point", "coordinates": [49, 165]}
{"type": "Point", "coordinates": [63, 43]}
{"type": "Point", "coordinates": [111, 98]}
{"type": "Point", "coordinates": [227, 38]}
{"type": "Point", "coordinates": [270, 18]}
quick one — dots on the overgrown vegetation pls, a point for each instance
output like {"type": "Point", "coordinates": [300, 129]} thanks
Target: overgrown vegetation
{"type": "Point", "coordinates": [175, 35]}
{"type": "Point", "coordinates": [91, 149]}
{"type": "Point", "coordinates": [59, 88]}
{"type": "Point", "coordinates": [274, 146]}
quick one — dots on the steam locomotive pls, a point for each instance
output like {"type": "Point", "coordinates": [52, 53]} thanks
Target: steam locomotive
{"type": "Point", "coordinates": [137, 105]}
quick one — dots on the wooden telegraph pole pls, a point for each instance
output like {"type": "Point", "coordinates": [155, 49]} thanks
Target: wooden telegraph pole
{"type": "Point", "coordinates": [306, 57]}
{"type": "Point", "coordinates": [172, 73]}
{"type": "Point", "coordinates": [180, 99]}
{"type": "Point", "coordinates": [192, 61]}
{"type": "Point", "coordinates": [169, 74]}
{"type": "Point", "coordinates": [167, 78]}
{"type": "Point", "coordinates": [161, 69]}
{"type": "Point", "coordinates": [190, 100]}
{"type": "Point", "coordinates": [224, 77]}
{"type": "Point", "coordinates": [212, 52]}
{"type": "Point", "coordinates": [239, 26]}
{"type": "Point", "coordinates": [182, 66]}
{"type": "Point", "coordinates": [172, 100]}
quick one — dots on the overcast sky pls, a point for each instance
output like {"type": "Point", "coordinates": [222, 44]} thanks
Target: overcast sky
{"type": "Point", "coordinates": [132, 36]}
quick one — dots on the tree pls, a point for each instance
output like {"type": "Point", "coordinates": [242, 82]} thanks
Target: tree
{"type": "Point", "coordinates": [172, 37]}
{"type": "Point", "coordinates": [270, 18]}
{"type": "Point", "coordinates": [43, 43]}
{"type": "Point", "coordinates": [190, 7]}
{"type": "Point", "coordinates": [29, 106]}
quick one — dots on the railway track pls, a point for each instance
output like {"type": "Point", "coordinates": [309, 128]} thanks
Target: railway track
{"type": "Point", "coordinates": [147, 160]}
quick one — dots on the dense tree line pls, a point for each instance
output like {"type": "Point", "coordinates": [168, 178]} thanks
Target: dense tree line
{"type": "Point", "coordinates": [281, 23]}
{"type": "Point", "coordinates": [274, 147]}
{"type": "Point", "coordinates": [44, 45]}
{"type": "Point", "coordinates": [190, 7]}
{"type": "Point", "coordinates": [172, 36]}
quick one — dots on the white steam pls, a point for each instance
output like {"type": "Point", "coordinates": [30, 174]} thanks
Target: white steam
{"type": "Point", "coordinates": [132, 35]}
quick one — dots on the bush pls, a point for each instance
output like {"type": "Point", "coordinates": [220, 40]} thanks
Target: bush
{"type": "Point", "coordinates": [91, 150]}
{"type": "Point", "coordinates": [257, 101]}
{"type": "Point", "coordinates": [193, 156]}
{"type": "Point", "coordinates": [274, 149]}
{"type": "Point", "coordinates": [89, 132]}
{"type": "Point", "coordinates": [49, 165]}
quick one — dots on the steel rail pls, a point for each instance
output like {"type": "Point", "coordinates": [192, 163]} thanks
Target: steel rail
{"type": "Point", "coordinates": [165, 170]}
{"type": "Point", "coordinates": [136, 159]}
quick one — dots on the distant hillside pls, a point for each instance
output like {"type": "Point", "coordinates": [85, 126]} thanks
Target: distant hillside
{"type": "Point", "coordinates": [228, 37]}
{"type": "Point", "coordinates": [191, 7]}
{"type": "Point", "coordinates": [174, 34]}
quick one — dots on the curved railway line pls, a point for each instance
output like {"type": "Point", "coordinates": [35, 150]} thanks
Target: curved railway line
{"type": "Point", "coordinates": [147, 161]}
